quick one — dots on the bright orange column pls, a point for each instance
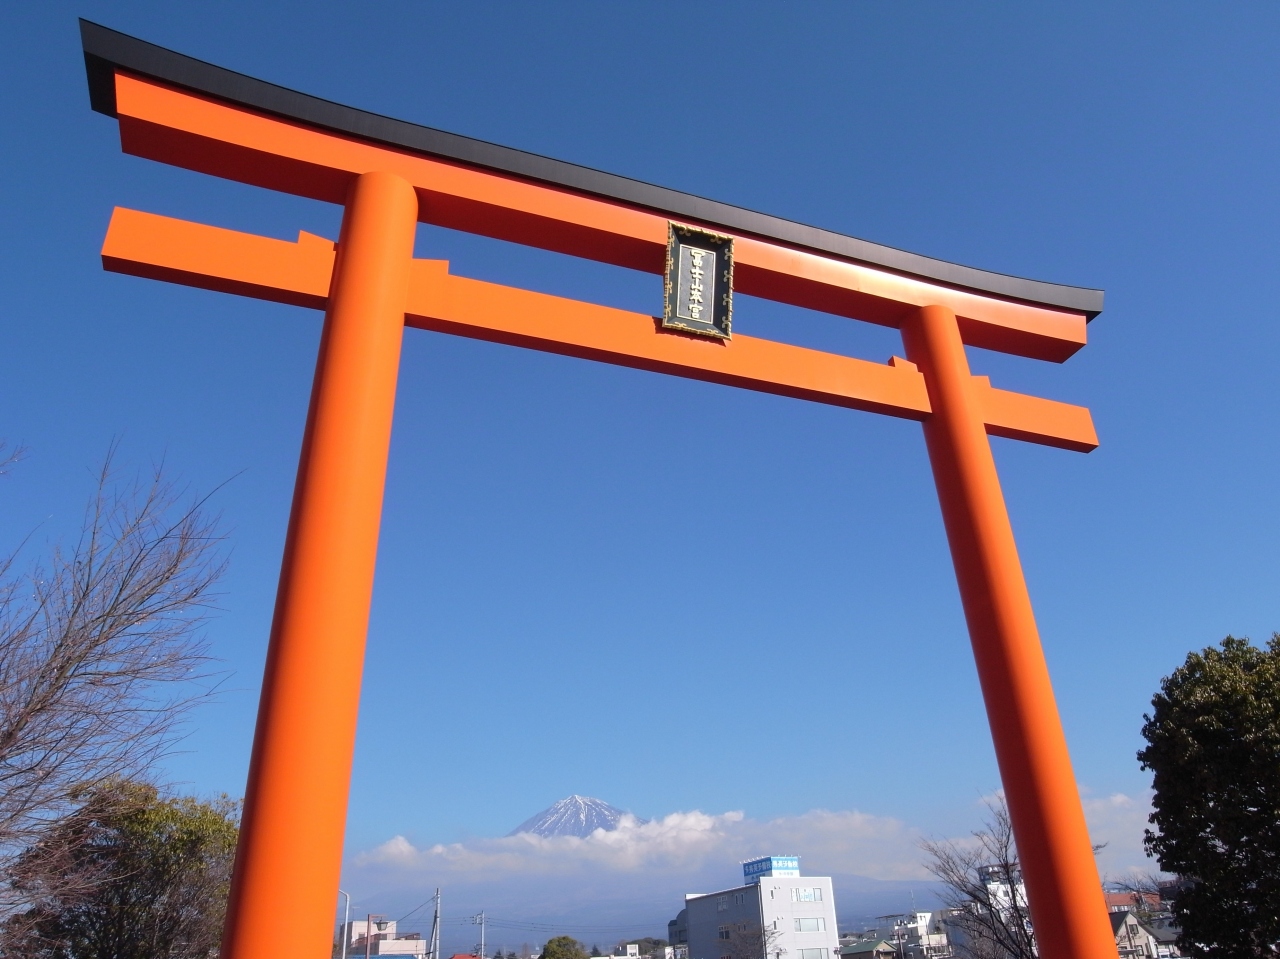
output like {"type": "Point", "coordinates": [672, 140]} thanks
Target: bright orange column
{"type": "Point", "coordinates": [290, 852]}
{"type": "Point", "coordinates": [1063, 887]}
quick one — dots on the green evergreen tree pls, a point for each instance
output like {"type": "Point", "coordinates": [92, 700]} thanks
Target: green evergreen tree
{"type": "Point", "coordinates": [563, 947]}
{"type": "Point", "coordinates": [132, 875]}
{"type": "Point", "coordinates": [1213, 745]}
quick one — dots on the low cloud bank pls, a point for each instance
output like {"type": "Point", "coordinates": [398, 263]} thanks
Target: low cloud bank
{"type": "Point", "coordinates": [683, 842]}
{"type": "Point", "coordinates": [631, 880]}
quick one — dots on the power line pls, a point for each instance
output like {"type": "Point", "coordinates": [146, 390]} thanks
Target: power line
{"type": "Point", "coordinates": [489, 920]}
{"type": "Point", "coordinates": [415, 909]}
{"type": "Point", "coordinates": [561, 926]}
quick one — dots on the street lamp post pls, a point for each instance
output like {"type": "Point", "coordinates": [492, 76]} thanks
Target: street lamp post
{"type": "Point", "coordinates": [346, 923]}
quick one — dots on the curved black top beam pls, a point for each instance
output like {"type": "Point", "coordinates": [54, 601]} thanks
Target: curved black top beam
{"type": "Point", "coordinates": [106, 49]}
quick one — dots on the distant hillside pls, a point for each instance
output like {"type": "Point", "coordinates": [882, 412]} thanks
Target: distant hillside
{"type": "Point", "coordinates": [575, 816]}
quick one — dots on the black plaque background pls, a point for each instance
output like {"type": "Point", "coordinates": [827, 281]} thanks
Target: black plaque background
{"type": "Point", "coordinates": [721, 323]}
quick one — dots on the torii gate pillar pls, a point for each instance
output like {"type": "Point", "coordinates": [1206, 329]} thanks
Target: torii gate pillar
{"type": "Point", "coordinates": [289, 857]}
{"type": "Point", "coordinates": [1035, 768]}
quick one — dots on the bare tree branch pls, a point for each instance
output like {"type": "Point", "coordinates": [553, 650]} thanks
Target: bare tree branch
{"type": "Point", "coordinates": [100, 653]}
{"type": "Point", "coordinates": [753, 941]}
{"type": "Point", "coordinates": [1144, 895]}
{"type": "Point", "coordinates": [982, 886]}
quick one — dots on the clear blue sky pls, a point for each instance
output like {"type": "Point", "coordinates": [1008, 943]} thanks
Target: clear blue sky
{"type": "Point", "coordinates": [551, 616]}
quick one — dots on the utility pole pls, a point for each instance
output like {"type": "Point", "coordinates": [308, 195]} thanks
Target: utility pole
{"type": "Point", "coordinates": [368, 932]}
{"type": "Point", "coordinates": [479, 920]}
{"type": "Point", "coordinates": [434, 948]}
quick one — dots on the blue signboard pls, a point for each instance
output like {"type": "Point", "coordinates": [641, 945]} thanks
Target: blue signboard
{"type": "Point", "coordinates": [754, 869]}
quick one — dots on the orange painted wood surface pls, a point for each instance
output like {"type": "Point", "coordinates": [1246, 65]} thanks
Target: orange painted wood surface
{"type": "Point", "coordinates": [1064, 891]}
{"type": "Point", "coordinates": [289, 857]}
{"type": "Point", "coordinates": [144, 244]}
{"type": "Point", "coordinates": [184, 129]}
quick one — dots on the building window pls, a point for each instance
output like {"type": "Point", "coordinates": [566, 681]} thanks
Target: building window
{"type": "Point", "coordinates": [722, 903]}
{"type": "Point", "coordinates": [813, 954]}
{"type": "Point", "coordinates": [811, 925]}
{"type": "Point", "coordinates": [722, 932]}
{"type": "Point", "coordinates": [806, 894]}
{"type": "Point", "coordinates": [739, 898]}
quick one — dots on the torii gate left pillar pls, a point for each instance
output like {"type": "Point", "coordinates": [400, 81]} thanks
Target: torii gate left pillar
{"type": "Point", "coordinates": [289, 857]}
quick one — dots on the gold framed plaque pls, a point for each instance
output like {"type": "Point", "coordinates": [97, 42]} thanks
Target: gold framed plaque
{"type": "Point", "coordinates": [699, 282]}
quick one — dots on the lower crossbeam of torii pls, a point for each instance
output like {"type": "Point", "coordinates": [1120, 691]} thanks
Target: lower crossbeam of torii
{"type": "Point", "coordinates": [389, 176]}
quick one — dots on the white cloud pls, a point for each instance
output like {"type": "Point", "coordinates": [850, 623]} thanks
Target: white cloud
{"type": "Point", "coordinates": [396, 850]}
{"type": "Point", "coordinates": [844, 843]}
{"type": "Point", "coordinates": [1119, 820]}
{"type": "Point", "coordinates": [682, 842]}
{"type": "Point", "coordinates": [635, 877]}
{"type": "Point", "coordinates": [1116, 822]}
{"type": "Point", "coordinates": [637, 874]}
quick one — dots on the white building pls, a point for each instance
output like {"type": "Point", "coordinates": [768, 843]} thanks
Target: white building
{"type": "Point", "coordinates": [386, 941]}
{"type": "Point", "coordinates": [920, 935]}
{"type": "Point", "coordinates": [776, 910]}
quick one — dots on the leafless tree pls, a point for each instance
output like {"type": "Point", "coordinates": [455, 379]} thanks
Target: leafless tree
{"type": "Point", "coordinates": [982, 886]}
{"type": "Point", "coordinates": [749, 940]}
{"type": "Point", "coordinates": [1144, 894]}
{"type": "Point", "coordinates": [100, 651]}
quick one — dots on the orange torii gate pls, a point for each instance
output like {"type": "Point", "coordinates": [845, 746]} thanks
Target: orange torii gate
{"type": "Point", "coordinates": [389, 175]}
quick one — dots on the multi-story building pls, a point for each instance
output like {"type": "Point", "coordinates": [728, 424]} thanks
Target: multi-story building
{"type": "Point", "coordinates": [775, 914]}
{"type": "Point", "coordinates": [385, 940]}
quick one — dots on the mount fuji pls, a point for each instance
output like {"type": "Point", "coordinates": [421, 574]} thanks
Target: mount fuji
{"type": "Point", "coordinates": [575, 816]}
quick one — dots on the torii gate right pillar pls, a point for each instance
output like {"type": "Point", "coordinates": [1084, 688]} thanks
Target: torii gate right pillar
{"type": "Point", "coordinates": [1063, 889]}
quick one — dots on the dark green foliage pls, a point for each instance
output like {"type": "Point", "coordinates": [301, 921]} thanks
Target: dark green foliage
{"type": "Point", "coordinates": [564, 947]}
{"type": "Point", "coordinates": [133, 875]}
{"type": "Point", "coordinates": [1213, 744]}
{"type": "Point", "coordinates": [595, 951]}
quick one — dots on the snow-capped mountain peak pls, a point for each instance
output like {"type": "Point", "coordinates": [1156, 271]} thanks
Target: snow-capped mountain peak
{"type": "Point", "coordinates": [574, 816]}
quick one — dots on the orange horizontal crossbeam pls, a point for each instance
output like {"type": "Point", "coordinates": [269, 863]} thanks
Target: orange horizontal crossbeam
{"type": "Point", "coordinates": [1017, 416]}
{"type": "Point", "coordinates": [501, 314]}
{"type": "Point", "coordinates": [143, 244]}
{"type": "Point", "coordinates": [187, 130]}
{"type": "Point", "coordinates": [192, 254]}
